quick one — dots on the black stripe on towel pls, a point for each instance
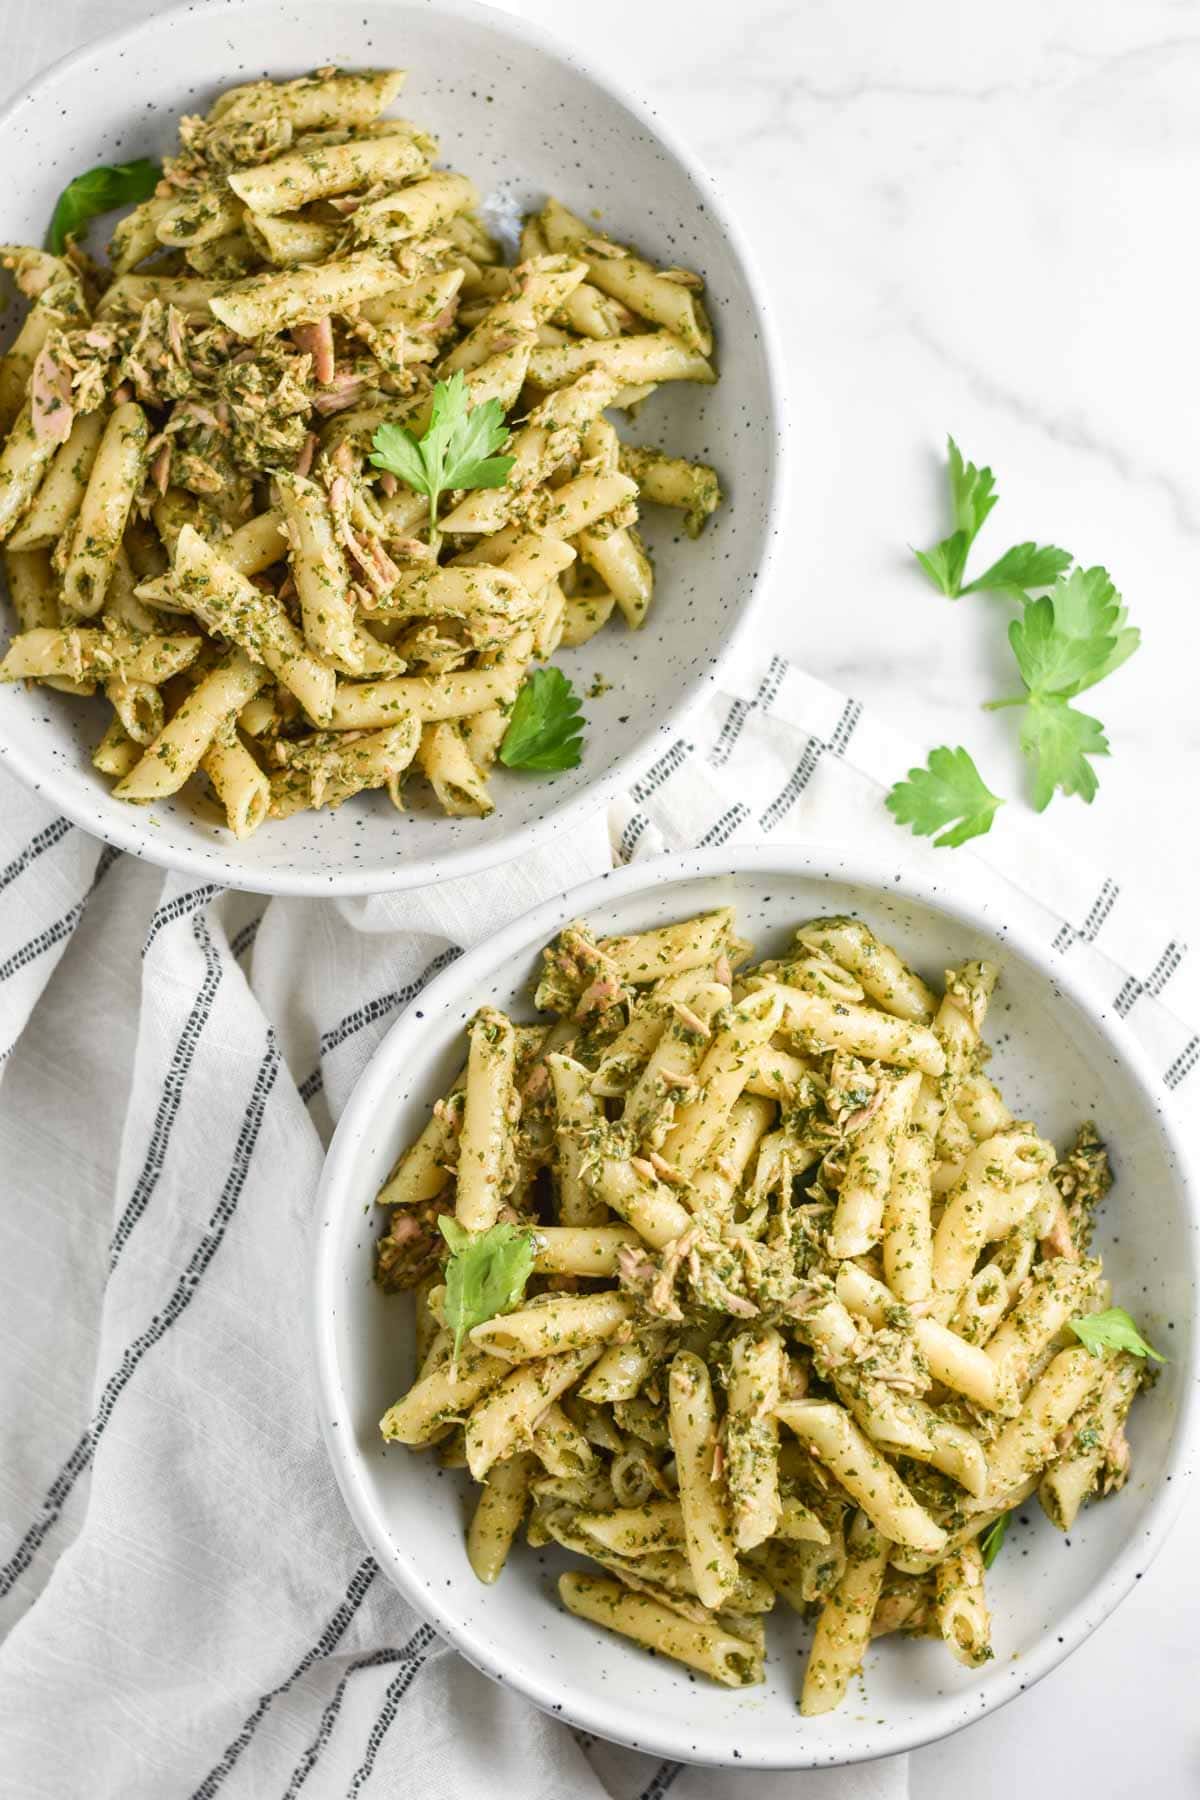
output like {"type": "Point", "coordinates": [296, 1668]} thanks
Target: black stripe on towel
{"type": "Point", "coordinates": [805, 769]}
{"type": "Point", "coordinates": [177, 908]}
{"type": "Point", "coordinates": [1184, 1063]}
{"type": "Point", "coordinates": [663, 1779]}
{"type": "Point", "coordinates": [387, 1713]}
{"type": "Point", "coordinates": [843, 731]}
{"type": "Point", "coordinates": [1164, 968]}
{"type": "Point", "coordinates": [182, 1295]}
{"type": "Point", "coordinates": [244, 939]}
{"type": "Point", "coordinates": [378, 1008]}
{"type": "Point", "coordinates": [1098, 912]}
{"type": "Point", "coordinates": [311, 1086]}
{"type": "Point", "coordinates": [1127, 993]}
{"type": "Point", "coordinates": [725, 826]}
{"type": "Point", "coordinates": [417, 1645]}
{"type": "Point", "coordinates": [335, 1630]}
{"type": "Point", "coordinates": [796, 783]}
{"type": "Point", "coordinates": [1132, 989]}
{"type": "Point", "coordinates": [740, 710]}
{"type": "Point", "coordinates": [631, 836]}
{"type": "Point", "coordinates": [51, 834]}
{"type": "Point", "coordinates": [171, 1097]}
{"type": "Point", "coordinates": [662, 771]}
{"type": "Point", "coordinates": [730, 732]}
{"type": "Point", "coordinates": [62, 928]}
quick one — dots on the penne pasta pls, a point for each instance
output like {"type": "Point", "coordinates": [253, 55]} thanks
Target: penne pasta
{"type": "Point", "coordinates": [844, 1626]}
{"type": "Point", "coordinates": [752, 1436]}
{"type": "Point", "coordinates": [704, 1646]}
{"type": "Point", "coordinates": [497, 1516]}
{"type": "Point", "coordinates": [86, 654]}
{"type": "Point", "coordinates": [563, 1322]}
{"type": "Point", "coordinates": [61, 494]}
{"type": "Point", "coordinates": [506, 1416]}
{"type": "Point", "coordinates": [960, 1606]}
{"type": "Point", "coordinates": [866, 1475]}
{"type": "Point", "coordinates": [707, 1527]}
{"type": "Point", "coordinates": [230, 400]}
{"type": "Point", "coordinates": [481, 1162]}
{"type": "Point", "coordinates": [865, 1189]}
{"type": "Point", "coordinates": [104, 510]}
{"type": "Point", "coordinates": [226, 602]}
{"type": "Point", "coordinates": [695, 1204]}
{"type": "Point", "coordinates": [176, 752]}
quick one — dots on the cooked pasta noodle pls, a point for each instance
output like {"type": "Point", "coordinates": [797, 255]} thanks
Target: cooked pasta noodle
{"type": "Point", "coordinates": [204, 408]}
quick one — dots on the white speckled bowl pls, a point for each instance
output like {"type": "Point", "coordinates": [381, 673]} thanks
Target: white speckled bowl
{"type": "Point", "coordinates": [1059, 1059]}
{"type": "Point", "coordinates": [522, 116]}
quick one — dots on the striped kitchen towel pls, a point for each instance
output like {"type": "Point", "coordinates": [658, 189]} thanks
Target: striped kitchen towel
{"type": "Point", "coordinates": [185, 1608]}
{"type": "Point", "coordinates": [779, 755]}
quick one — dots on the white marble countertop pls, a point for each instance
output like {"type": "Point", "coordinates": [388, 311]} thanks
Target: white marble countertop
{"type": "Point", "coordinates": [979, 222]}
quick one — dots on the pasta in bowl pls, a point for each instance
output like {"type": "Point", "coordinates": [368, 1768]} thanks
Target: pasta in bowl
{"type": "Point", "coordinates": [760, 1313]}
{"type": "Point", "coordinates": [322, 487]}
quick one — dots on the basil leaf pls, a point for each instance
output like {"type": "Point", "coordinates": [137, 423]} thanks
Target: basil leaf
{"type": "Point", "coordinates": [486, 1274]}
{"type": "Point", "coordinates": [100, 190]}
{"type": "Point", "coordinates": [991, 1539]}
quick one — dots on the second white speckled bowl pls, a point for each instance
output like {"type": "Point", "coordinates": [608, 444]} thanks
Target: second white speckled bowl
{"type": "Point", "coordinates": [1060, 1058]}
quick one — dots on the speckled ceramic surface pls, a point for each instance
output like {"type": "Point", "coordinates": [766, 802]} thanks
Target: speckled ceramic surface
{"type": "Point", "coordinates": [1057, 1057]}
{"type": "Point", "coordinates": [522, 117]}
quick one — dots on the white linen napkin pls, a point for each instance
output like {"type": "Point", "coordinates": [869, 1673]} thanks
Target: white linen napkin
{"type": "Point", "coordinates": [186, 1608]}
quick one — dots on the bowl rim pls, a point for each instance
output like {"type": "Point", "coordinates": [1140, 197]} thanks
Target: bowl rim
{"type": "Point", "coordinates": [66, 788]}
{"type": "Point", "coordinates": [971, 897]}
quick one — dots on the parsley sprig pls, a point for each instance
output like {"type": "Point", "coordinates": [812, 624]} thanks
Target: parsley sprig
{"type": "Point", "coordinates": [972, 497]}
{"type": "Point", "coordinates": [949, 792]}
{"type": "Point", "coordinates": [456, 450]}
{"type": "Point", "coordinates": [485, 1275]}
{"type": "Point", "coordinates": [1065, 641]}
{"type": "Point", "coordinates": [99, 190]}
{"type": "Point", "coordinates": [545, 731]}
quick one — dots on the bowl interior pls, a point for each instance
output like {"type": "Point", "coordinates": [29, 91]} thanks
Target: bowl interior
{"type": "Point", "coordinates": [523, 121]}
{"type": "Point", "coordinates": [1054, 1065]}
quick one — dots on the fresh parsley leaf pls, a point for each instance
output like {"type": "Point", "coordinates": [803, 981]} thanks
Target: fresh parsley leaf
{"type": "Point", "coordinates": [1063, 643]}
{"type": "Point", "coordinates": [1074, 636]}
{"type": "Point", "coordinates": [972, 497]}
{"type": "Point", "coordinates": [455, 450]}
{"type": "Point", "coordinates": [1127, 639]}
{"type": "Point", "coordinates": [1054, 660]}
{"type": "Point", "coordinates": [100, 190]}
{"type": "Point", "coordinates": [545, 731]}
{"type": "Point", "coordinates": [1024, 566]}
{"type": "Point", "coordinates": [470, 462]}
{"type": "Point", "coordinates": [1058, 741]}
{"type": "Point", "coordinates": [397, 450]}
{"type": "Point", "coordinates": [1112, 1330]}
{"type": "Point", "coordinates": [944, 563]}
{"type": "Point", "coordinates": [950, 788]}
{"type": "Point", "coordinates": [1087, 607]}
{"type": "Point", "coordinates": [972, 492]}
{"type": "Point", "coordinates": [486, 1274]}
